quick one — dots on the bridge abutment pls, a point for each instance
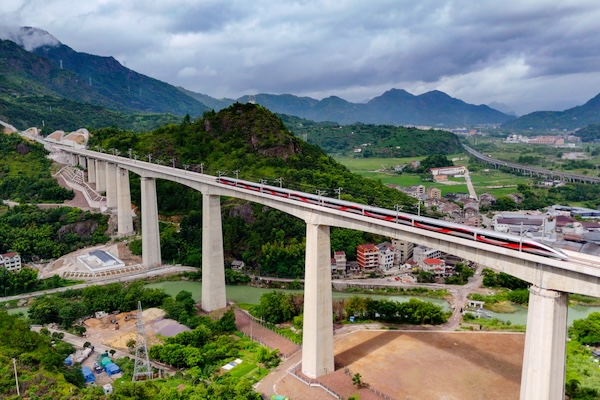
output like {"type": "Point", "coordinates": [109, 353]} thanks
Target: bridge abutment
{"type": "Point", "coordinates": [543, 376]}
{"type": "Point", "coordinates": [213, 263]}
{"type": "Point", "coordinates": [124, 218]}
{"type": "Point", "coordinates": [150, 233]}
{"type": "Point", "coordinates": [317, 331]}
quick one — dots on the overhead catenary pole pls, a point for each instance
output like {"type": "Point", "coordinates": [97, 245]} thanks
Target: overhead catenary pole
{"type": "Point", "coordinates": [16, 376]}
{"type": "Point", "coordinates": [339, 192]}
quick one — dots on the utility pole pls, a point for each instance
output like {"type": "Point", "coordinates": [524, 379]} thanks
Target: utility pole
{"type": "Point", "coordinates": [202, 168]}
{"type": "Point", "coordinates": [173, 161]}
{"type": "Point", "coordinates": [16, 376]}
{"type": "Point", "coordinates": [262, 183]}
{"type": "Point", "coordinates": [149, 157]}
{"type": "Point", "coordinates": [236, 173]}
{"type": "Point", "coordinates": [339, 192]}
{"type": "Point", "coordinates": [280, 181]}
{"type": "Point", "coordinates": [130, 152]}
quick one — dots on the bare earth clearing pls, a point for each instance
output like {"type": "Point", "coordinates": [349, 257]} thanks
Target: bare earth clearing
{"type": "Point", "coordinates": [436, 365]}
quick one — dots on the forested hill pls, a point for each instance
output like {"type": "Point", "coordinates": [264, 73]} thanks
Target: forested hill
{"type": "Point", "coordinates": [381, 140]}
{"type": "Point", "coordinates": [252, 140]}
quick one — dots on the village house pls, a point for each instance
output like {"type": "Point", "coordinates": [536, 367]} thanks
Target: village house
{"type": "Point", "coordinates": [403, 249]}
{"type": "Point", "coordinates": [367, 256]}
{"type": "Point", "coordinates": [11, 261]}
{"type": "Point", "coordinates": [434, 265]}
{"type": "Point", "coordinates": [386, 255]}
{"type": "Point", "coordinates": [420, 253]}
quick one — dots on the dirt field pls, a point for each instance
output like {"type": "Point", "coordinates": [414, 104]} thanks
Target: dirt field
{"type": "Point", "coordinates": [435, 365]}
{"type": "Point", "coordinates": [103, 331]}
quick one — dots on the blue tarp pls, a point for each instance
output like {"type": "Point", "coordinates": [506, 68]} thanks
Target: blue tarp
{"type": "Point", "coordinates": [69, 360]}
{"type": "Point", "coordinates": [88, 374]}
{"type": "Point", "coordinates": [112, 369]}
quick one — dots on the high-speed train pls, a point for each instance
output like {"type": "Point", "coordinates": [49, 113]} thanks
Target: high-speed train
{"type": "Point", "coordinates": [429, 224]}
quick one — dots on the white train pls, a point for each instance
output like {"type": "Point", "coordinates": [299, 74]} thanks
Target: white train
{"type": "Point", "coordinates": [428, 224]}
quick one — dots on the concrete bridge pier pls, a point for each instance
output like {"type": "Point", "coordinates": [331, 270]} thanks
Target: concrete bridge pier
{"type": "Point", "coordinates": [91, 170]}
{"type": "Point", "coordinates": [74, 160]}
{"type": "Point", "coordinates": [317, 331]}
{"type": "Point", "coordinates": [83, 161]}
{"type": "Point", "coordinates": [213, 263]}
{"type": "Point", "coordinates": [100, 176]}
{"type": "Point", "coordinates": [111, 185]}
{"type": "Point", "coordinates": [124, 218]}
{"type": "Point", "coordinates": [150, 234]}
{"type": "Point", "coordinates": [543, 376]}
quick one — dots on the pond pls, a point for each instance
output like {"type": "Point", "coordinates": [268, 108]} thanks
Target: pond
{"type": "Point", "coordinates": [251, 295]}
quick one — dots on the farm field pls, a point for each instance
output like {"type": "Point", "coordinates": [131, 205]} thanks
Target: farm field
{"type": "Point", "coordinates": [490, 181]}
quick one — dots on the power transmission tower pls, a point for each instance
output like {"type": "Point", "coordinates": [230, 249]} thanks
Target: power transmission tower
{"type": "Point", "coordinates": [142, 369]}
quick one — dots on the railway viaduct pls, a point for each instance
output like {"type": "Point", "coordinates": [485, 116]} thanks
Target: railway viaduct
{"type": "Point", "coordinates": [531, 171]}
{"type": "Point", "coordinates": [543, 374]}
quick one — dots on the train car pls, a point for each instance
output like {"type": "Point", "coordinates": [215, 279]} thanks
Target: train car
{"type": "Point", "coordinates": [425, 223]}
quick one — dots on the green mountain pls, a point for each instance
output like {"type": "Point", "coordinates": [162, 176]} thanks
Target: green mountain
{"type": "Point", "coordinates": [573, 118]}
{"type": "Point", "coordinates": [394, 107]}
{"type": "Point", "coordinates": [53, 69]}
{"type": "Point", "coordinates": [33, 92]}
{"type": "Point", "coordinates": [381, 140]}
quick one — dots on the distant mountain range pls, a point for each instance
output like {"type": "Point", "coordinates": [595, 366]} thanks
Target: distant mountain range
{"type": "Point", "coordinates": [33, 62]}
{"type": "Point", "coordinates": [394, 107]}
{"type": "Point", "coordinates": [573, 118]}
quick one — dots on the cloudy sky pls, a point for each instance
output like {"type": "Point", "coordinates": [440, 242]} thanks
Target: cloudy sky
{"type": "Point", "coordinates": [529, 54]}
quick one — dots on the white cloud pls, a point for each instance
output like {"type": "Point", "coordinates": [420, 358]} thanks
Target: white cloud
{"type": "Point", "coordinates": [190, 72]}
{"type": "Point", "coordinates": [528, 54]}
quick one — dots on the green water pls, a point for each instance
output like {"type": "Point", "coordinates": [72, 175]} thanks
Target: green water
{"type": "Point", "coordinates": [519, 317]}
{"type": "Point", "coordinates": [18, 310]}
{"type": "Point", "coordinates": [251, 295]}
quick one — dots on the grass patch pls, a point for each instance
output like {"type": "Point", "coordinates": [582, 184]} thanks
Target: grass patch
{"type": "Point", "coordinates": [242, 370]}
{"type": "Point", "coordinates": [493, 324]}
{"type": "Point", "coordinates": [421, 292]}
{"type": "Point", "coordinates": [502, 307]}
{"type": "Point", "coordinates": [578, 299]}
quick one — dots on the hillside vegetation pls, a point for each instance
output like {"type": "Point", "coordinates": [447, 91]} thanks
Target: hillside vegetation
{"type": "Point", "coordinates": [374, 140]}
{"type": "Point", "coordinates": [26, 174]}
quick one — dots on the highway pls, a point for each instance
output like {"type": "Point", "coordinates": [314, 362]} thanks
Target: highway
{"type": "Point", "coordinates": [164, 270]}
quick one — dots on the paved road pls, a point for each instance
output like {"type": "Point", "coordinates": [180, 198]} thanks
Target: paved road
{"type": "Point", "coordinates": [472, 192]}
{"type": "Point", "coordinates": [165, 270]}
